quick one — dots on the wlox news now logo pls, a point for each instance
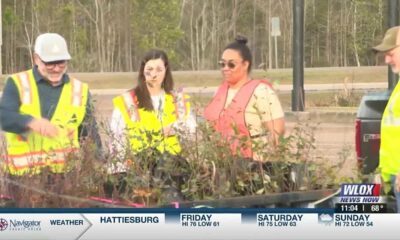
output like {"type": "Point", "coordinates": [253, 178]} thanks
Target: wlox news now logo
{"type": "Point", "coordinates": [360, 193]}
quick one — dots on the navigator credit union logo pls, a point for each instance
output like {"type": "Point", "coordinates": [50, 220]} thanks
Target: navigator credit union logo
{"type": "Point", "coordinates": [3, 224]}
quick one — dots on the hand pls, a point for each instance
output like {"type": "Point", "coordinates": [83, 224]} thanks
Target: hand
{"type": "Point", "coordinates": [169, 130]}
{"type": "Point", "coordinates": [397, 183]}
{"type": "Point", "coordinates": [43, 127]}
{"type": "Point", "coordinates": [277, 128]}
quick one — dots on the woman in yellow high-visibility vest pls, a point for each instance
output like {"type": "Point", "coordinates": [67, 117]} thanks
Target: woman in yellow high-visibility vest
{"type": "Point", "coordinates": [146, 118]}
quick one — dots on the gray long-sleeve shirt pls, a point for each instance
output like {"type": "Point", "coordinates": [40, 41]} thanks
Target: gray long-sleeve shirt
{"type": "Point", "coordinates": [11, 120]}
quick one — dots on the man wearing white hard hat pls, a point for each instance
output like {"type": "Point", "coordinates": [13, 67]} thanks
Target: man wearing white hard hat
{"type": "Point", "coordinates": [46, 115]}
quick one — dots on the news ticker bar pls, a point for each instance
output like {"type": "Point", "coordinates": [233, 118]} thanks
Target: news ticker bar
{"type": "Point", "coordinates": [87, 224]}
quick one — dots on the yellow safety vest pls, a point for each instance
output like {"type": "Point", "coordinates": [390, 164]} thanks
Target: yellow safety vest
{"type": "Point", "coordinates": [144, 128]}
{"type": "Point", "coordinates": [389, 153]}
{"type": "Point", "coordinates": [30, 153]}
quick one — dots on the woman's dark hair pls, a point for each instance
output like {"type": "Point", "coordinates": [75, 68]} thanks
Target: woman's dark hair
{"type": "Point", "coordinates": [141, 91]}
{"type": "Point", "coordinates": [240, 45]}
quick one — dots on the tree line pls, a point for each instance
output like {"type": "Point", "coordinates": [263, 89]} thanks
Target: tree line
{"type": "Point", "coordinates": [112, 35]}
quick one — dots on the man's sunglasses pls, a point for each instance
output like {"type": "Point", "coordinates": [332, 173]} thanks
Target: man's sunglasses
{"type": "Point", "coordinates": [53, 64]}
{"type": "Point", "coordinates": [231, 65]}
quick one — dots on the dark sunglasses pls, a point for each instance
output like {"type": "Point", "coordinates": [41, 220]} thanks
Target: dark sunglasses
{"type": "Point", "coordinates": [53, 64]}
{"type": "Point", "coordinates": [231, 65]}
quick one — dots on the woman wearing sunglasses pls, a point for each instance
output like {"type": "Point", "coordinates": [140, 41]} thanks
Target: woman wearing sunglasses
{"type": "Point", "coordinates": [244, 108]}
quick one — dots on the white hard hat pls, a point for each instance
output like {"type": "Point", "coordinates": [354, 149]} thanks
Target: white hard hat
{"type": "Point", "coordinates": [51, 47]}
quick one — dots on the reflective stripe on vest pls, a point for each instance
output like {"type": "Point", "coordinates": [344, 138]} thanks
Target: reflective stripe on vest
{"type": "Point", "coordinates": [227, 120]}
{"type": "Point", "coordinates": [389, 153]}
{"type": "Point", "coordinates": [131, 106]}
{"type": "Point", "coordinates": [29, 153]}
{"type": "Point", "coordinates": [141, 123]}
{"type": "Point", "coordinates": [26, 93]}
{"type": "Point", "coordinates": [20, 161]}
{"type": "Point", "coordinates": [76, 98]}
{"type": "Point", "coordinates": [391, 121]}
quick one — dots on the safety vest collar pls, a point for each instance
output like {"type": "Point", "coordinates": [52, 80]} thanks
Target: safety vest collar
{"type": "Point", "coordinates": [131, 105]}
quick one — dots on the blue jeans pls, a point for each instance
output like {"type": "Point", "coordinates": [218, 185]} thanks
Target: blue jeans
{"type": "Point", "coordinates": [393, 180]}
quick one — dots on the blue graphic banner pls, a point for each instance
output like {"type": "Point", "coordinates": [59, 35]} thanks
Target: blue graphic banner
{"type": "Point", "coordinates": [195, 223]}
